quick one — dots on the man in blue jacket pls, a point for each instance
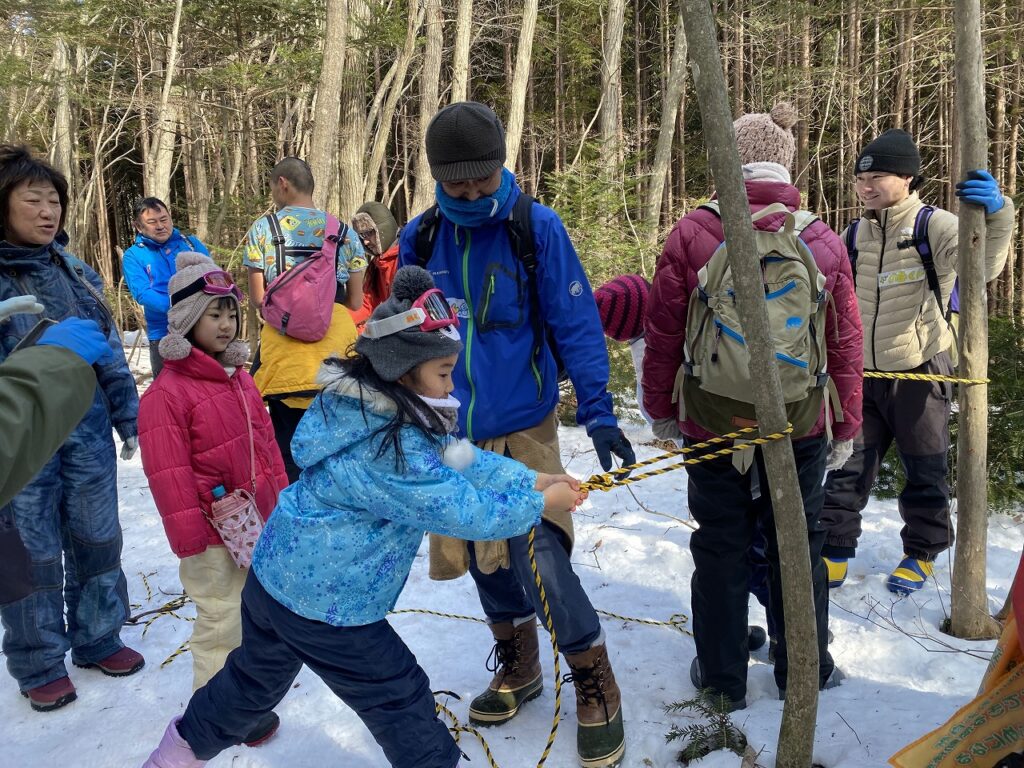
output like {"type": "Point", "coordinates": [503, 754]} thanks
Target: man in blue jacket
{"type": "Point", "coordinates": [149, 264]}
{"type": "Point", "coordinates": [507, 384]}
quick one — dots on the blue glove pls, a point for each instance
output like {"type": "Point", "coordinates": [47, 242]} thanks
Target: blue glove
{"type": "Point", "coordinates": [979, 188]}
{"type": "Point", "coordinates": [609, 440]}
{"type": "Point", "coordinates": [83, 337]}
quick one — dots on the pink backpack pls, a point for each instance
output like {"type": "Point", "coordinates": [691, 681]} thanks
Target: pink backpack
{"type": "Point", "coordinates": [299, 302]}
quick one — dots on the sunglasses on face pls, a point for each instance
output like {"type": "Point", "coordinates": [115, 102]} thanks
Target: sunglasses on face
{"type": "Point", "coordinates": [430, 312]}
{"type": "Point", "coordinates": [214, 283]}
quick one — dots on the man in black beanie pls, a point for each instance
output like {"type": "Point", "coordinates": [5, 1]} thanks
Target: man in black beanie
{"type": "Point", "coordinates": [904, 259]}
{"type": "Point", "coordinates": [509, 267]}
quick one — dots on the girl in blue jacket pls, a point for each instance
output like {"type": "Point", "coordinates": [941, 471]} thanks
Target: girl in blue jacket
{"type": "Point", "coordinates": [379, 469]}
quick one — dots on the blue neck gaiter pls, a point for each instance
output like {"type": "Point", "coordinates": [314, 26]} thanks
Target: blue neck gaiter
{"type": "Point", "coordinates": [475, 213]}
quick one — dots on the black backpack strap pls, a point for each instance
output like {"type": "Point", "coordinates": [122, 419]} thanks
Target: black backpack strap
{"type": "Point", "coordinates": [924, 250]}
{"type": "Point", "coordinates": [277, 238]}
{"type": "Point", "coordinates": [426, 232]}
{"type": "Point", "coordinates": [851, 246]}
{"type": "Point", "coordinates": [520, 235]}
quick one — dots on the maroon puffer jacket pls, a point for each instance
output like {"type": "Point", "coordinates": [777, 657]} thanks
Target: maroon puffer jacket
{"type": "Point", "coordinates": [193, 436]}
{"type": "Point", "coordinates": [690, 245]}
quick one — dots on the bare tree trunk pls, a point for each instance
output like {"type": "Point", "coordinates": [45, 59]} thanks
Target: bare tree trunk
{"type": "Point", "coordinates": [969, 615]}
{"type": "Point", "coordinates": [520, 79]}
{"type": "Point", "coordinates": [611, 90]}
{"type": "Point", "coordinates": [324, 143]}
{"type": "Point", "coordinates": [352, 139]}
{"type": "Point", "coordinates": [430, 78]}
{"type": "Point", "coordinates": [796, 736]}
{"type": "Point", "coordinates": [460, 57]}
{"type": "Point", "coordinates": [675, 88]}
{"type": "Point", "coordinates": [161, 151]}
{"type": "Point", "coordinates": [64, 133]}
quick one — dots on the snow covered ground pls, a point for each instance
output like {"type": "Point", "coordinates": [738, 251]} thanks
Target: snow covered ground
{"type": "Point", "coordinates": [632, 554]}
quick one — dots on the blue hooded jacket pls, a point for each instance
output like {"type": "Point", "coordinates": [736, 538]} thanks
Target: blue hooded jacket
{"type": "Point", "coordinates": [148, 267]}
{"type": "Point", "coordinates": [340, 543]}
{"type": "Point", "coordinates": [67, 287]}
{"type": "Point", "coordinates": [478, 270]}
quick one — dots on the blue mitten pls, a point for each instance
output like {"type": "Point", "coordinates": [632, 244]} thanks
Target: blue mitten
{"type": "Point", "coordinates": [980, 188]}
{"type": "Point", "coordinates": [83, 337]}
{"type": "Point", "coordinates": [609, 440]}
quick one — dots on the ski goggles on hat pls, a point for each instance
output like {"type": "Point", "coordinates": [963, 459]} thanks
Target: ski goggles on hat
{"type": "Point", "coordinates": [430, 312]}
{"type": "Point", "coordinates": [214, 283]}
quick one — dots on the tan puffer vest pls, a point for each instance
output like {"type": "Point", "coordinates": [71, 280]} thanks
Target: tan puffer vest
{"type": "Point", "coordinates": [903, 326]}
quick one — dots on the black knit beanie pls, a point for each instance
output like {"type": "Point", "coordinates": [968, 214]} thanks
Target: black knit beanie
{"type": "Point", "coordinates": [465, 140]}
{"type": "Point", "coordinates": [394, 355]}
{"type": "Point", "coordinates": [892, 152]}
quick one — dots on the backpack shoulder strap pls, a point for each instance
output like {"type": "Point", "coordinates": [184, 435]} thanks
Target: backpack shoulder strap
{"type": "Point", "coordinates": [426, 233]}
{"type": "Point", "coordinates": [802, 220]}
{"type": "Point", "coordinates": [277, 238]}
{"type": "Point", "coordinates": [520, 231]}
{"type": "Point", "coordinates": [851, 246]}
{"type": "Point", "coordinates": [924, 250]}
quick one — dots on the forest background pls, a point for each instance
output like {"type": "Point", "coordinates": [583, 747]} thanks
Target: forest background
{"type": "Point", "coordinates": [193, 102]}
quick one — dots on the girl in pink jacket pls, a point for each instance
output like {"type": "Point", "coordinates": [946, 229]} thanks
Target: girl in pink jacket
{"type": "Point", "coordinates": [194, 430]}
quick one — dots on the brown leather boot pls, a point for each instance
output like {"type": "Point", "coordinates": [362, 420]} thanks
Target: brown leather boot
{"type": "Point", "coordinates": [515, 661]}
{"type": "Point", "coordinates": [600, 741]}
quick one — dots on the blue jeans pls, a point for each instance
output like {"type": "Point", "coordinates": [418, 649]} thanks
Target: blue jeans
{"type": "Point", "coordinates": [511, 593]}
{"type": "Point", "coordinates": [367, 667]}
{"type": "Point", "coordinates": [69, 512]}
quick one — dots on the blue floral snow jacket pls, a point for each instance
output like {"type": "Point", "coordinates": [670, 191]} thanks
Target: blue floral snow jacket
{"type": "Point", "coordinates": [340, 543]}
{"type": "Point", "coordinates": [148, 266]}
{"type": "Point", "coordinates": [67, 287]}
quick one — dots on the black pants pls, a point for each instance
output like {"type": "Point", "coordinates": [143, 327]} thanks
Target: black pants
{"type": "Point", "coordinates": [285, 420]}
{"type": "Point", "coordinates": [723, 503]}
{"type": "Point", "coordinates": [914, 414]}
{"type": "Point", "coordinates": [367, 667]}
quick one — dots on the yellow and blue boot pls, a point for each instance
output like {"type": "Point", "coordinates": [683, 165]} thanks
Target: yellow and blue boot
{"type": "Point", "coordinates": [910, 575]}
{"type": "Point", "coordinates": [837, 567]}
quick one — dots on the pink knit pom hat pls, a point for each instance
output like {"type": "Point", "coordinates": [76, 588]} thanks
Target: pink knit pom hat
{"type": "Point", "coordinates": [185, 313]}
{"type": "Point", "coordinates": [622, 305]}
{"type": "Point", "coordinates": [767, 138]}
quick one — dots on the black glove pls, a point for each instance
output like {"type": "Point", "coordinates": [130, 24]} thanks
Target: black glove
{"type": "Point", "coordinates": [609, 440]}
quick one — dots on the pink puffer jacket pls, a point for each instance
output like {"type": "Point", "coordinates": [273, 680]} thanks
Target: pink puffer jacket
{"type": "Point", "coordinates": [689, 247]}
{"type": "Point", "coordinates": [193, 436]}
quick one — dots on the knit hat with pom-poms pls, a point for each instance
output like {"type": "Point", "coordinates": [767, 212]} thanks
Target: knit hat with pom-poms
{"type": "Point", "coordinates": [186, 312]}
{"type": "Point", "coordinates": [767, 138]}
{"type": "Point", "coordinates": [396, 354]}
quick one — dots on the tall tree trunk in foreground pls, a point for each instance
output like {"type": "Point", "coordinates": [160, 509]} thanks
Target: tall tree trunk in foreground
{"type": "Point", "coordinates": [323, 153]}
{"type": "Point", "coordinates": [969, 615]}
{"type": "Point", "coordinates": [796, 736]}
{"type": "Point", "coordinates": [520, 79]}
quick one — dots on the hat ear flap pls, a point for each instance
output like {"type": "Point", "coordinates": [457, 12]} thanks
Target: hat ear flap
{"type": "Point", "coordinates": [174, 346]}
{"type": "Point", "coordinates": [236, 354]}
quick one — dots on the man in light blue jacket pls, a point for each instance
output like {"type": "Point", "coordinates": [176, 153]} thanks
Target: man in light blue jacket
{"type": "Point", "coordinates": [149, 265]}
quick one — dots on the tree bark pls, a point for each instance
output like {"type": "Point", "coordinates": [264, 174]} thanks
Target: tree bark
{"type": "Point", "coordinates": [429, 95]}
{"type": "Point", "coordinates": [611, 91]}
{"type": "Point", "coordinates": [796, 736]}
{"type": "Point", "coordinates": [326, 114]}
{"type": "Point", "coordinates": [352, 143]}
{"type": "Point", "coordinates": [161, 152]}
{"type": "Point", "coordinates": [969, 614]}
{"type": "Point", "coordinates": [520, 79]}
{"type": "Point", "coordinates": [63, 131]}
{"type": "Point", "coordinates": [460, 56]}
{"type": "Point", "coordinates": [675, 88]}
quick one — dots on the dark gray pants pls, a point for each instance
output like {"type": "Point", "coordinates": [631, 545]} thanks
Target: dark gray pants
{"type": "Point", "coordinates": [156, 360]}
{"type": "Point", "coordinates": [914, 414]}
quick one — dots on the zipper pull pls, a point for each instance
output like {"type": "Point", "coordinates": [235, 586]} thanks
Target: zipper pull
{"type": "Point", "coordinates": [714, 347]}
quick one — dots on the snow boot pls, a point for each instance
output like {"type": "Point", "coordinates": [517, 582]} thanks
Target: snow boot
{"type": "Point", "coordinates": [697, 678]}
{"type": "Point", "coordinates": [53, 695]}
{"type": "Point", "coordinates": [910, 575]}
{"type": "Point", "coordinates": [119, 664]}
{"type": "Point", "coordinates": [173, 751]}
{"type": "Point", "coordinates": [515, 662]}
{"type": "Point", "coordinates": [600, 741]}
{"type": "Point", "coordinates": [263, 731]}
{"type": "Point", "coordinates": [756, 638]}
{"type": "Point", "coordinates": [837, 567]}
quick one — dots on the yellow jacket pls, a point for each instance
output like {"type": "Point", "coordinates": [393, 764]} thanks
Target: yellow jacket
{"type": "Point", "coordinates": [290, 366]}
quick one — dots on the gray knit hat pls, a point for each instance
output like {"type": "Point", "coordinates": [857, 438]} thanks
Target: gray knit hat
{"type": "Point", "coordinates": [465, 140]}
{"type": "Point", "coordinates": [186, 312]}
{"type": "Point", "coordinates": [767, 138]}
{"type": "Point", "coordinates": [394, 355]}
